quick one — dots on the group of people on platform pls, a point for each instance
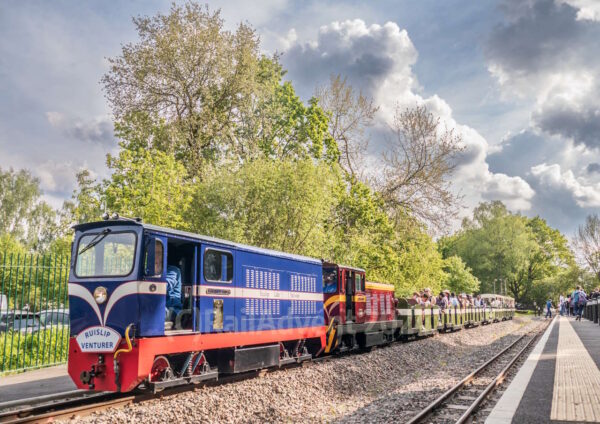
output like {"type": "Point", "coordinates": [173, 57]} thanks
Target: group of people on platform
{"type": "Point", "coordinates": [573, 304]}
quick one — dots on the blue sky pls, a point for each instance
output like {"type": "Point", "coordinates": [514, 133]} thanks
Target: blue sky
{"type": "Point", "coordinates": [519, 80]}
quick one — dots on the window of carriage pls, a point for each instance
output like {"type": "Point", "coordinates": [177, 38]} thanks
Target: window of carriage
{"type": "Point", "coordinates": [218, 266]}
{"type": "Point", "coordinates": [358, 282]}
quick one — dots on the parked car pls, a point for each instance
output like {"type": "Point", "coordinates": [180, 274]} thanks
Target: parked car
{"type": "Point", "coordinates": [54, 317]}
{"type": "Point", "coordinates": [3, 304]}
{"type": "Point", "coordinates": [21, 321]}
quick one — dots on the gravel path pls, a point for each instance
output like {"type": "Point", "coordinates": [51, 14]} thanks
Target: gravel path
{"type": "Point", "coordinates": [387, 384]}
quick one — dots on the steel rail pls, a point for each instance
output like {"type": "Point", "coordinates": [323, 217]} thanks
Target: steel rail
{"type": "Point", "coordinates": [497, 381]}
{"type": "Point", "coordinates": [425, 412]}
{"type": "Point", "coordinates": [447, 394]}
{"type": "Point", "coordinates": [39, 399]}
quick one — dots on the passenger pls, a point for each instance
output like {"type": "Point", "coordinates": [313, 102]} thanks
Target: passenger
{"type": "Point", "coordinates": [581, 302]}
{"type": "Point", "coordinates": [561, 305]}
{"type": "Point", "coordinates": [430, 296]}
{"type": "Point", "coordinates": [174, 305]}
{"type": "Point", "coordinates": [575, 300]}
{"type": "Point", "coordinates": [425, 300]}
{"type": "Point", "coordinates": [454, 300]}
{"type": "Point", "coordinates": [444, 302]}
{"type": "Point", "coordinates": [548, 308]}
{"type": "Point", "coordinates": [478, 301]}
{"type": "Point", "coordinates": [416, 298]}
{"type": "Point", "coordinates": [173, 277]}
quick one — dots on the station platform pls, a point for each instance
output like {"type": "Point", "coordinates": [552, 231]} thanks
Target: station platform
{"type": "Point", "coordinates": [560, 380]}
{"type": "Point", "coordinates": [40, 382]}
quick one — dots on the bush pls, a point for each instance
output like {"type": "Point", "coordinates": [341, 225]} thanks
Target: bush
{"type": "Point", "coordinates": [28, 350]}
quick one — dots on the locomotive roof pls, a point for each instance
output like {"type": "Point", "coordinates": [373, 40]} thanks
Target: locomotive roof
{"type": "Point", "coordinates": [193, 236]}
{"type": "Point", "coordinates": [352, 268]}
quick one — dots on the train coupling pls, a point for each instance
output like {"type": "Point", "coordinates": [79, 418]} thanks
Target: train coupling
{"type": "Point", "coordinates": [97, 370]}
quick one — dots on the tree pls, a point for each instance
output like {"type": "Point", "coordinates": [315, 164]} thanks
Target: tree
{"type": "Point", "coordinates": [496, 245]}
{"type": "Point", "coordinates": [189, 72]}
{"type": "Point", "coordinates": [24, 216]}
{"type": "Point", "coordinates": [459, 277]}
{"type": "Point", "coordinates": [149, 184]}
{"type": "Point", "coordinates": [86, 204]}
{"type": "Point", "coordinates": [419, 163]}
{"type": "Point", "coordinates": [289, 129]}
{"type": "Point", "coordinates": [280, 205]}
{"type": "Point", "coordinates": [587, 241]}
{"type": "Point", "coordinates": [360, 232]}
{"type": "Point", "coordinates": [506, 250]}
{"type": "Point", "coordinates": [350, 114]}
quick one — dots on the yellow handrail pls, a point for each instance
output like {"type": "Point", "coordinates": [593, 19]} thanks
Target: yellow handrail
{"type": "Point", "coordinates": [129, 348]}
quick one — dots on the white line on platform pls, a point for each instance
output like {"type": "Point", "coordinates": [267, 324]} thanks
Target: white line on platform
{"type": "Point", "coordinates": [506, 407]}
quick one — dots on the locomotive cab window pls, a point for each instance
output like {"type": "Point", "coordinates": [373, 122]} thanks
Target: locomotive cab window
{"type": "Point", "coordinates": [358, 285]}
{"type": "Point", "coordinates": [218, 266]}
{"type": "Point", "coordinates": [159, 252]}
{"type": "Point", "coordinates": [105, 254]}
{"type": "Point", "coordinates": [330, 280]}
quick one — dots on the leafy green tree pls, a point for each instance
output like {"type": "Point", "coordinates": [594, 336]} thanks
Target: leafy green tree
{"type": "Point", "coordinates": [24, 216]}
{"type": "Point", "coordinates": [149, 184]}
{"type": "Point", "coordinates": [191, 88]}
{"type": "Point", "coordinates": [281, 205]}
{"type": "Point", "coordinates": [460, 279]}
{"type": "Point", "coordinates": [496, 245]}
{"type": "Point", "coordinates": [420, 264]}
{"type": "Point", "coordinates": [86, 203]}
{"type": "Point", "coordinates": [360, 231]}
{"type": "Point", "coordinates": [512, 251]}
{"type": "Point", "coordinates": [291, 129]}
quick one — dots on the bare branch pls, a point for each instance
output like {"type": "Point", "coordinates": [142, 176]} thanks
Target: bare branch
{"type": "Point", "coordinates": [419, 165]}
{"type": "Point", "coordinates": [350, 115]}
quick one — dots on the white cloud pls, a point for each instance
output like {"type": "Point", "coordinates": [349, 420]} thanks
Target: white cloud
{"type": "Point", "coordinates": [379, 60]}
{"type": "Point", "coordinates": [553, 178]}
{"type": "Point", "coordinates": [549, 50]}
{"type": "Point", "coordinates": [587, 9]}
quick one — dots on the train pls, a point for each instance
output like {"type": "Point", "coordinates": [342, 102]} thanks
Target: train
{"type": "Point", "coordinates": [153, 307]}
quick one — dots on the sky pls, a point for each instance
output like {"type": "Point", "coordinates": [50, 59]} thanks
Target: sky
{"type": "Point", "coordinates": [518, 80]}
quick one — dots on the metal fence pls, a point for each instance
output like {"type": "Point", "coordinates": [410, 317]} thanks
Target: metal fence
{"type": "Point", "coordinates": [34, 314]}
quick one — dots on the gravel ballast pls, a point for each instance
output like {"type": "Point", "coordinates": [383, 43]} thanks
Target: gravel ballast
{"type": "Point", "coordinates": [387, 384]}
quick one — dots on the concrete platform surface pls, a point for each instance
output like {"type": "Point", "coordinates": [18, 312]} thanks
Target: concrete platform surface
{"type": "Point", "coordinates": [29, 384]}
{"type": "Point", "coordinates": [560, 380]}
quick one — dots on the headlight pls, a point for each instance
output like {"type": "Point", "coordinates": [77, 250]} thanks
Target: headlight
{"type": "Point", "coordinates": [100, 295]}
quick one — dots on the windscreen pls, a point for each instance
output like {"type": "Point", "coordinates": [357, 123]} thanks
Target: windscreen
{"type": "Point", "coordinates": [105, 254]}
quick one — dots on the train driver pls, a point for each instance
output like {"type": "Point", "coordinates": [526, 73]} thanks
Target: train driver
{"type": "Point", "coordinates": [173, 305]}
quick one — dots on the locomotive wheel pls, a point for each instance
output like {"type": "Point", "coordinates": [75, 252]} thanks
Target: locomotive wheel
{"type": "Point", "coordinates": [161, 369]}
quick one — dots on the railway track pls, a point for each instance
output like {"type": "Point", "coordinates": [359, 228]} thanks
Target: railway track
{"type": "Point", "coordinates": [461, 402]}
{"type": "Point", "coordinates": [81, 403]}
{"type": "Point", "coordinates": [76, 404]}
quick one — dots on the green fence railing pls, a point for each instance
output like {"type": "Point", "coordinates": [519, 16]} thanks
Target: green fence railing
{"type": "Point", "coordinates": [34, 314]}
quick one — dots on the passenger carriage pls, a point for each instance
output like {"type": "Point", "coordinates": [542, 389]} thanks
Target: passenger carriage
{"type": "Point", "coordinates": [501, 308]}
{"type": "Point", "coordinates": [417, 320]}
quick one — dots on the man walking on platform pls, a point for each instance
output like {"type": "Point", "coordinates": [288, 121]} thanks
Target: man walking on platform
{"type": "Point", "coordinates": [561, 305]}
{"type": "Point", "coordinates": [548, 308]}
{"type": "Point", "coordinates": [575, 300]}
{"type": "Point", "coordinates": [581, 302]}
